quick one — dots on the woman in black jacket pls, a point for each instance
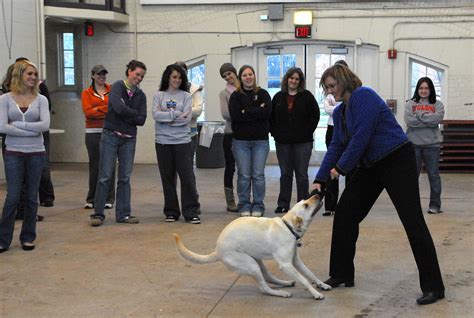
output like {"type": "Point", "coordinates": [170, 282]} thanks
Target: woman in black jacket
{"type": "Point", "coordinates": [295, 115]}
{"type": "Point", "coordinates": [250, 107]}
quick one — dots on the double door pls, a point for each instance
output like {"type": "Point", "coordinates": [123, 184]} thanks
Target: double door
{"type": "Point", "coordinates": [313, 59]}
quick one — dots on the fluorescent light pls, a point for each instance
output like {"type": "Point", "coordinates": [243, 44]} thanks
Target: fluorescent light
{"type": "Point", "coordinates": [303, 18]}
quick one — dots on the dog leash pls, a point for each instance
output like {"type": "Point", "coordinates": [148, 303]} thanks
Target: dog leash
{"type": "Point", "coordinates": [299, 241]}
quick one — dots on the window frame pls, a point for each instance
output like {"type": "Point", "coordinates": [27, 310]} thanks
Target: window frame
{"type": "Point", "coordinates": [61, 62]}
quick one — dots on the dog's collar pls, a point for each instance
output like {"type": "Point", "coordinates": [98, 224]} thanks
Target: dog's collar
{"type": "Point", "coordinates": [296, 235]}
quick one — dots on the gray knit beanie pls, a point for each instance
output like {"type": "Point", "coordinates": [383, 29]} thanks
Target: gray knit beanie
{"type": "Point", "coordinates": [226, 67]}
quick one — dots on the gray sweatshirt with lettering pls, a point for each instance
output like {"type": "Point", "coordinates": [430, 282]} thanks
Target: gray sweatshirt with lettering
{"type": "Point", "coordinates": [423, 119]}
{"type": "Point", "coordinates": [24, 130]}
{"type": "Point", "coordinates": [172, 111]}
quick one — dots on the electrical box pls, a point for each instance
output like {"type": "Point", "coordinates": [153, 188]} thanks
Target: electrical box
{"type": "Point", "coordinates": [275, 12]}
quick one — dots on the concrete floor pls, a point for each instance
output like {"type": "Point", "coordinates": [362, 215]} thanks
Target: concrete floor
{"type": "Point", "coordinates": [122, 270]}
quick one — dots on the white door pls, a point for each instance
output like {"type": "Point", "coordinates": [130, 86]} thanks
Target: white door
{"type": "Point", "coordinates": [313, 59]}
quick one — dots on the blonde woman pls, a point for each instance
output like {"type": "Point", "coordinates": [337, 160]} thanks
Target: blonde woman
{"type": "Point", "coordinates": [24, 115]}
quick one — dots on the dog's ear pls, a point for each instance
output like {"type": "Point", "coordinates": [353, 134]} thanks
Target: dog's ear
{"type": "Point", "coordinates": [297, 222]}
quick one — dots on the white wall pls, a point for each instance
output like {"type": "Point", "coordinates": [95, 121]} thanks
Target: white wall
{"type": "Point", "coordinates": [160, 35]}
{"type": "Point", "coordinates": [24, 36]}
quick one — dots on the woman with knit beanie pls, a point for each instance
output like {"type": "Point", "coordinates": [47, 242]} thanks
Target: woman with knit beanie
{"type": "Point", "coordinates": [229, 74]}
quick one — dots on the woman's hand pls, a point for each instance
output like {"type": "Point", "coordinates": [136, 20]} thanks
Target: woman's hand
{"type": "Point", "coordinates": [315, 186]}
{"type": "Point", "coordinates": [334, 174]}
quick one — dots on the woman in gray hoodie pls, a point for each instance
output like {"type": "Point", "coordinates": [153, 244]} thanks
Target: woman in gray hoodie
{"type": "Point", "coordinates": [423, 114]}
{"type": "Point", "coordinates": [172, 111]}
{"type": "Point", "coordinates": [24, 115]}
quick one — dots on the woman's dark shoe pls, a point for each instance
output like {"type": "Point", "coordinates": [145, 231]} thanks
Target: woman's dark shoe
{"type": "Point", "coordinates": [335, 282]}
{"type": "Point", "coordinates": [2, 249]}
{"type": "Point", "coordinates": [328, 213]}
{"type": "Point", "coordinates": [279, 210]}
{"type": "Point", "coordinates": [28, 246]}
{"type": "Point", "coordinates": [430, 297]}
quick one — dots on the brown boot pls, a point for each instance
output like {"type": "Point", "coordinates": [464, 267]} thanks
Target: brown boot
{"type": "Point", "coordinates": [229, 198]}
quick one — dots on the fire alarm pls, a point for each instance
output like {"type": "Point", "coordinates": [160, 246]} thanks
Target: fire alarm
{"type": "Point", "coordinates": [392, 54]}
{"type": "Point", "coordinates": [89, 29]}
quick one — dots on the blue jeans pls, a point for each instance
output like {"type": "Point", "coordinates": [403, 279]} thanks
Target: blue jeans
{"type": "Point", "coordinates": [111, 148]}
{"type": "Point", "coordinates": [250, 157]}
{"type": "Point", "coordinates": [17, 168]}
{"type": "Point", "coordinates": [430, 157]}
{"type": "Point", "coordinates": [293, 158]}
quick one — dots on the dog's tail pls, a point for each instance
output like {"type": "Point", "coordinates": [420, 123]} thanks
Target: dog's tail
{"type": "Point", "coordinates": [191, 256]}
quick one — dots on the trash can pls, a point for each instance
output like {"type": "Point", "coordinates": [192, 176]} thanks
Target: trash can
{"type": "Point", "coordinates": [210, 153]}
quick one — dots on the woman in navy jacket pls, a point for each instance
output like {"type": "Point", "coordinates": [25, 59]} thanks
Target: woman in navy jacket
{"type": "Point", "coordinates": [295, 115]}
{"type": "Point", "coordinates": [367, 135]}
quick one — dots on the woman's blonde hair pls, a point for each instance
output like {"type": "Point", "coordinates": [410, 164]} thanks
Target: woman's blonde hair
{"type": "Point", "coordinates": [17, 86]}
{"type": "Point", "coordinates": [343, 76]}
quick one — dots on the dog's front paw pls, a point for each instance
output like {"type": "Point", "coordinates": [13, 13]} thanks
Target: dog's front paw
{"type": "Point", "coordinates": [284, 294]}
{"type": "Point", "coordinates": [319, 297]}
{"type": "Point", "coordinates": [324, 286]}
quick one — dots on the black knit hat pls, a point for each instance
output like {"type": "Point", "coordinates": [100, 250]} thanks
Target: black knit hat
{"type": "Point", "coordinates": [226, 67]}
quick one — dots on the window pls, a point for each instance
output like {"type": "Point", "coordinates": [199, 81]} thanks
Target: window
{"type": "Point", "coordinates": [67, 60]}
{"type": "Point", "coordinates": [197, 75]}
{"type": "Point", "coordinates": [277, 66]}
{"type": "Point", "coordinates": [419, 69]}
{"type": "Point", "coordinates": [323, 61]}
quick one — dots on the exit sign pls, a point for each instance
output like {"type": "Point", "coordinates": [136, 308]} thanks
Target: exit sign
{"type": "Point", "coordinates": [302, 32]}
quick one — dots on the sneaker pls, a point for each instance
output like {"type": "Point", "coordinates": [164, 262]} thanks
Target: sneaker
{"type": "Point", "coordinates": [170, 218]}
{"type": "Point", "coordinates": [88, 205]}
{"type": "Point", "coordinates": [108, 206]}
{"type": "Point", "coordinates": [257, 214]}
{"type": "Point", "coordinates": [328, 213]}
{"type": "Point", "coordinates": [47, 204]}
{"type": "Point", "coordinates": [434, 211]}
{"type": "Point", "coordinates": [194, 220]}
{"type": "Point", "coordinates": [96, 221]}
{"type": "Point", "coordinates": [245, 213]}
{"type": "Point", "coordinates": [281, 210]}
{"type": "Point", "coordinates": [130, 220]}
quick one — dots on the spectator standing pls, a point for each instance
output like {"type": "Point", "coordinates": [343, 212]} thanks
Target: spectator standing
{"type": "Point", "coordinates": [126, 111]}
{"type": "Point", "coordinates": [229, 74]}
{"type": "Point", "coordinates": [295, 116]}
{"type": "Point", "coordinates": [24, 115]}
{"type": "Point", "coordinates": [423, 114]}
{"type": "Point", "coordinates": [95, 105]}
{"type": "Point", "coordinates": [250, 109]}
{"type": "Point", "coordinates": [46, 189]}
{"type": "Point", "coordinates": [172, 111]}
